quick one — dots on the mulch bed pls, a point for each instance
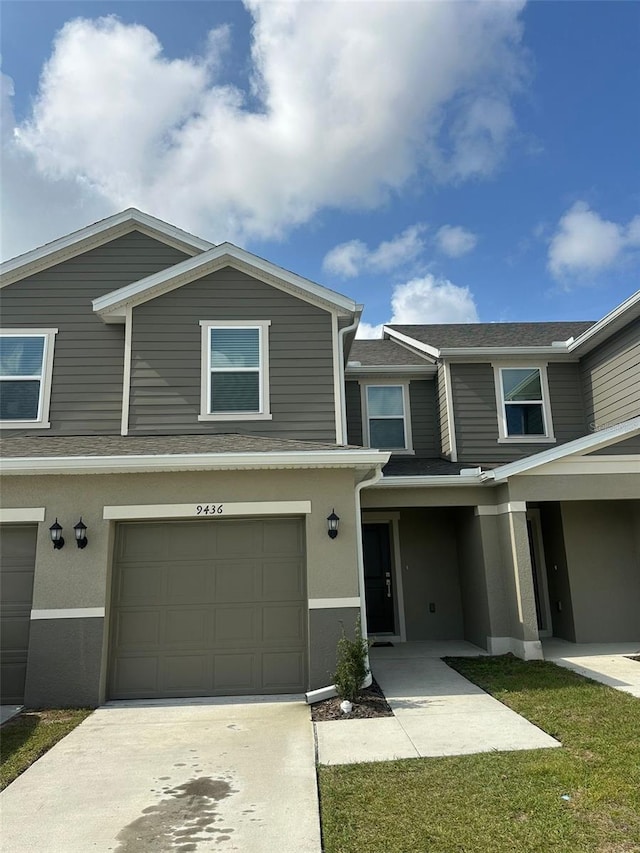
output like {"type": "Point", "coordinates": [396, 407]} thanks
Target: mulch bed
{"type": "Point", "coordinates": [371, 703]}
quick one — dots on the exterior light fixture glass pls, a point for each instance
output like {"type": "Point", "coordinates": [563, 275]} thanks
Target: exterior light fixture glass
{"type": "Point", "coordinates": [56, 535]}
{"type": "Point", "coordinates": [80, 529]}
{"type": "Point", "coordinates": [332, 524]}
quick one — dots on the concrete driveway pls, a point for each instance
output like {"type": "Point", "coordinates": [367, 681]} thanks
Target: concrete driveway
{"type": "Point", "coordinates": [188, 776]}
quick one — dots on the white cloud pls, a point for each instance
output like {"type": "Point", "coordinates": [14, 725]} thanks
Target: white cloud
{"type": "Point", "coordinates": [427, 300]}
{"type": "Point", "coordinates": [585, 243]}
{"type": "Point", "coordinates": [354, 257]}
{"type": "Point", "coordinates": [454, 241]}
{"type": "Point", "coordinates": [350, 107]}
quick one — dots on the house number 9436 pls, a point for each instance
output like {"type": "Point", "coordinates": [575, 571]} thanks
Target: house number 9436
{"type": "Point", "coordinates": [209, 509]}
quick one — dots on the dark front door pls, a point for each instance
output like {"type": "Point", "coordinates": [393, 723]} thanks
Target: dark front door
{"type": "Point", "coordinates": [377, 578]}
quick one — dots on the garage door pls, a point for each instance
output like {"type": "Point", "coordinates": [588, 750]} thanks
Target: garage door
{"type": "Point", "coordinates": [208, 608]}
{"type": "Point", "coordinates": [17, 560]}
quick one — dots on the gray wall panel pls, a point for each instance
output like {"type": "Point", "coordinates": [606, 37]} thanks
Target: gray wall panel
{"type": "Point", "coordinates": [354, 412]}
{"type": "Point", "coordinates": [165, 371]}
{"type": "Point", "coordinates": [64, 663]}
{"type": "Point", "coordinates": [611, 378]}
{"type": "Point", "coordinates": [325, 629]}
{"type": "Point", "coordinates": [17, 562]}
{"type": "Point", "coordinates": [424, 417]}
{"type": "Point", "coordinates": [86, 393]}
{"type": "Point", "coordinates": [476, 412]}
{"type": "Point", "coordinates": [430, 575]}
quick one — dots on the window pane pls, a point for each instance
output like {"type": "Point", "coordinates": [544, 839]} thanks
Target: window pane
{"type": "Point", "coordinates": [235, 392]}
{"type": "Point", "coordinates": [522, 384]}
{"type": "Point", "coordinates": [19, 400]}
{"type": "Point", "coordinates": [21, 356]}
{"type": "Point", "coordinates": [524, 420]}
{"type": "Point", "coordinates": [387, 434]}
{"type": "Point", "coordinates": [385, 400]}
{"type": "Point", "coordinates": [235, 348]}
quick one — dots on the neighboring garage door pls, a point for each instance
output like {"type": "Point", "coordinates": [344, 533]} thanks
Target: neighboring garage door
{"type": "Point", "coordinates": [17, 560]}
{"type": "Point", "coordinates": [208, 608]}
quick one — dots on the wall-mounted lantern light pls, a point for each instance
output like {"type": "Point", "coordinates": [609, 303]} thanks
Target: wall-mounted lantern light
{"type": "Point", "coordinates": [56, 535]}
{"type": "Point", "coordinates": [80, 529]}
{"type": "Point", "coordinates": [332, 524]}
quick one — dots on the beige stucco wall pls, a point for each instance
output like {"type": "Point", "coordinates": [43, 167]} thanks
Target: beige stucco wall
{"type": "Point", "coordinates": [72, 578]}
{"type": "Point", "coordinates": [603, 557]}
{"type": "Point", "coordinates": [577, 487]}
{"type": "Point", "coordinates": [428, 496]}
{"type": "Point", "coordinates": [429, 564]}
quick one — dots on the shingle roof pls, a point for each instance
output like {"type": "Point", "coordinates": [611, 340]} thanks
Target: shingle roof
{"type": "Point", "coordinates": [383, 352]}
{"type": "Point", "coordinates": [153, 445]}
{"type": "Point", "coordinates": [415, 467]}
{"type": "Point", "coordinates": [442, 335]}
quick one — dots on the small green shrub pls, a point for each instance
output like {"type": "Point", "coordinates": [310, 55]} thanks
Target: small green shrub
{"type": "Point", "coordinates": [351, 664]}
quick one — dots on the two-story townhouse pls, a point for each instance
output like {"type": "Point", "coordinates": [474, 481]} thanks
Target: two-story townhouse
{"type": "Point", "coordinates": [235, 478]}
{"type": "Point", "coordinates": [547, 415]}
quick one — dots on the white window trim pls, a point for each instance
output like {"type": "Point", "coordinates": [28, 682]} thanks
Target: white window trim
{"type": "Point", "coordinates": [406, 414]}
{"type": "Point", "coordinates": [44, 401]}
{"type": "Point", "coordinates": [264, 414]}
{"type": "Point", "coordinates": [503, 435]}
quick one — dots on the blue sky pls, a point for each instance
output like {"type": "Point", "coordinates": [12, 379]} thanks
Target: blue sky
{"type": "Point", "coordinates": [435, 161]}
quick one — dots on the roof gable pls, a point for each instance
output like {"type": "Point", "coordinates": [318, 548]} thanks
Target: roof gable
{"type": "Point", "coordinates": [112, 306]}
{"type": "Point", "coordinates": [95, 235]}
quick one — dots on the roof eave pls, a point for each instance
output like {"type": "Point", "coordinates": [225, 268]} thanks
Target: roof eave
{"type": "Point", "coordinates": [52, 465]}
{"type": "Point", "coordinates": [608, 325]}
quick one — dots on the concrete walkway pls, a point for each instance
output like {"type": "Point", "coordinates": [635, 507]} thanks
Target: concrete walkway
{"type": "Point", "coordinates": [605, 662]}
{"type": "Point", "coordinates": [436, 712]}
{"type": "Point", "coordinates": [187, 775]}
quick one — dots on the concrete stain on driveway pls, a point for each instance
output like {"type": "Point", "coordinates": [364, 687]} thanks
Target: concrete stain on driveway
{"type": "Point", "coordinates": [180, 821]}
{"type": "Point", "coordinates": [191, 776]}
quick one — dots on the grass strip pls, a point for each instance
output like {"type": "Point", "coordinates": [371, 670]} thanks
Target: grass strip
{"type": "Point", "coordinates": [580, 798]}
{"type": "Point", "coordinates": [24, 739]}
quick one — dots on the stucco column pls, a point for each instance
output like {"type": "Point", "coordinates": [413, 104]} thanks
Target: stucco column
{"type": "Point", "coordinates": [512, 603]}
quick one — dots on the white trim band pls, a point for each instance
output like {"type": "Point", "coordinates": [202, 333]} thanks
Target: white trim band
{"type": "Point", "coordinates": [211, 509]}
{"type": "Point", "coordinates": [69, 613]}
{"type": "Point", "coordinates": [500, 509]}
{"type": "Point", "coordinates": [34, 513]}
{"type": "Point", "coordinates": [327, 603]}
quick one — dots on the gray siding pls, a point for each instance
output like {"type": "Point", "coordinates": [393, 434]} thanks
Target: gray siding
{"type": "Point", "coordinates": [353, 401]}
{"type": "Point", "coordinates": [622, 448]}
{"type": "Point", "coordinates": [476, 413]}
{"type": "Point", "coordinates": [424, 417]}
{"type": "Point", "coordinates": [443, 414]}
{"type": "Point", "coordinates": [165, 359]}
{"type": "Point", "coordinates": [611, 378]}
{"type": "Point", "coordinates": [86, 395]}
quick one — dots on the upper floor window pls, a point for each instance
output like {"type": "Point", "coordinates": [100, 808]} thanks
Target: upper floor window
{"type": "Point", "coordinates": [387, 425]}
{"type": "Point", "coordinates": [235, 370]}
{"type": "Point", "coordinates": [26, 363]}
{"type": "Point", "coordinates": [523, 398]}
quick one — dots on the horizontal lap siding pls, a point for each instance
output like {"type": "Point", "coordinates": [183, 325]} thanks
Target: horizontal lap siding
{"type": "Point", "coordinates": [424, 418]}
{"type": "Point", "coordinates": [353, 400]}
{"type": "Point", "coordinates": [611, 379]}
{"type": "Point", "coordinates": [165, 359]}
{"type": "Point", "coordinates": [443, 413]}
{"type": "Point", "coordinates": [86, 397]}
{"type": "Point", "coordinates": [476, 413]}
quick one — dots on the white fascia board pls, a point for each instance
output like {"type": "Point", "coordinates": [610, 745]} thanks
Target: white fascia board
{"type": "Point", "coordinates": [428, 480]}
{"type": "Point", "coordinates": [410, 342]}
{"type": "Point", "coordinates": [95, 235]}
{"type": "Point", "coordinates": [226, 254]}
{"type": "Point", "coordinates": [474, 353]}
{"type": "Point", "coordinates": [41, 465]}
{"type": "Point", "coordinates": [580, 446]}
{"type": "Point", "coordinates": [609, 324]}
{"type": "Point", "coordinates": [392, 369]}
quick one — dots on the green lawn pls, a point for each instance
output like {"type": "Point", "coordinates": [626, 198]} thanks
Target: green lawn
{"type": "Point", "coordinates": [499, 802]}
{"type": "Point", "coordinates": [27, 737]}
